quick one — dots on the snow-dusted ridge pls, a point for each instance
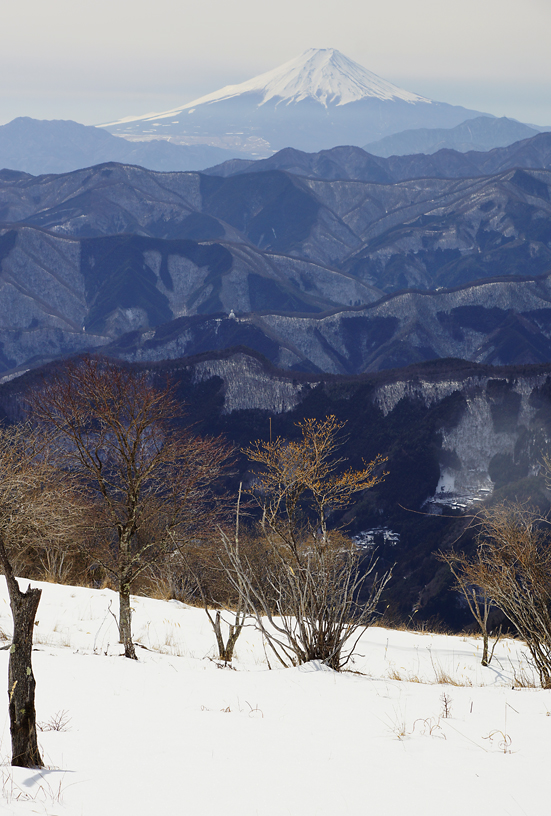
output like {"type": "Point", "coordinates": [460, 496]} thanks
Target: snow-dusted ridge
{"type": "Point", "coordinates": [322, 74]}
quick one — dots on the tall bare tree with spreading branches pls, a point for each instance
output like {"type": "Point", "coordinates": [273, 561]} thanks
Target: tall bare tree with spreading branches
{"type": "Point", "coordinates": [150, 482]}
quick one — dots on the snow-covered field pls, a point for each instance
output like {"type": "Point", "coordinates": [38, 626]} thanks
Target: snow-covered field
{"type": "Point", "coordinates": [175, 734]}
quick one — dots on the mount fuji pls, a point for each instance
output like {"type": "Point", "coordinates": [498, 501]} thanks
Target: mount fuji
{"type": "Point", "coordinates": [317, 100]}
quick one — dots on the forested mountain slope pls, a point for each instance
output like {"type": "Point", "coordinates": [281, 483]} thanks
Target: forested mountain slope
{"type": "Point", "coordinates": [88, 256]}
{"type": "Point", "coordinates": [453, 432]}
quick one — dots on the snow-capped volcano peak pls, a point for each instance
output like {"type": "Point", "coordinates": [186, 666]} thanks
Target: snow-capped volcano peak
{"type": "Point", "coordinates": [322, 74]}
{"type": "Point", "coordinates": [316, 100]}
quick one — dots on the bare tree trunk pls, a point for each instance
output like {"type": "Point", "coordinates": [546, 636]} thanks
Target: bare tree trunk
{"type": "Point", "coordinates": [125, 612]}
{"type": "Point", "coordinates": [484, 660]}
{"type": "Point", "coordinates": [125, 620]}
{"type": "Point", "coordinates": [21, 682]}
{"type": "Point", "coordinates": [477, 599]}
{"type": "Point", "coordinates": [225, 650]}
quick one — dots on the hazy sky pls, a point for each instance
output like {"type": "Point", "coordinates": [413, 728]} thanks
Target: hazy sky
{"type": "Point", "coordinates": [97, 60]}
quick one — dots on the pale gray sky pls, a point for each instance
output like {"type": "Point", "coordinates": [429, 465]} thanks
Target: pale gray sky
{"type": "Point", "coordinates": [97, 60]}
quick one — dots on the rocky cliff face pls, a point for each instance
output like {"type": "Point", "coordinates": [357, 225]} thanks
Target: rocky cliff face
{"type": "Point", "coordinates": [497, 432]}
{"type": "Point", "coordinates": [484, 425]}
{"type": "Point", "coordinates": [491, 425]}
{"type": "Point", "coordinates": [247, 385]}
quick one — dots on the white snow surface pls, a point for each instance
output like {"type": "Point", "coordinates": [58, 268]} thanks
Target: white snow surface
{"type": "Point", "coordinates": [322, 74]}
{"type": "Point", "coordinates": [173, 733]}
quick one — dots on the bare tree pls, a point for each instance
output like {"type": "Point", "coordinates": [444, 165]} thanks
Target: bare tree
{"type": "Point", "coordinates": [307, 602]}
{"type": "Point", "coordinates": [152, 485]}
{"type": "Point", "coordinates": [225, 610]}
{"type": "Point", "coordinates": [36, 505]}
{"type": "Point", "coordinates": [227, 625]}
{"type": "Point", "coordinates": [209, 567]}
{"type": "Point", "coordinates": [512, 566]}
{"type": "Point", "coordinates": [478, 601]}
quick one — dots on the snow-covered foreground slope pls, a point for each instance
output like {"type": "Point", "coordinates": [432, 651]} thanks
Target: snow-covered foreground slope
{"type": "Point", "coordinates": [173, 733]}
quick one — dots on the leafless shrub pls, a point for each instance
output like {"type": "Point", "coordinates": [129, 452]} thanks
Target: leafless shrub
{"type": "Point", "coordinates": [522, 678]}
{"type": "Point", "coordinates": [307, 600]}
{"type": "Point", "coordinates": [222, 594]}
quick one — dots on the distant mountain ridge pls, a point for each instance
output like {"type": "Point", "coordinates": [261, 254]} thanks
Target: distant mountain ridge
{"type": "Point", "coordinates": [57, 146]}
{"type": "Point", "coordinates": [357, 164]}
{"type": "Point", "coordinates": [429, 232]}
{"type": "Point", "coordinates": [480, 134]}
{"type": "Point", "coordinates": [317, 100]}
{"type": "Point", "coordinates": [40, 147]}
